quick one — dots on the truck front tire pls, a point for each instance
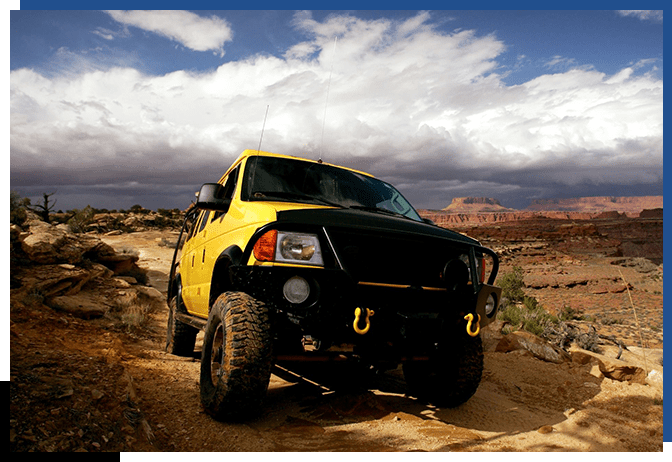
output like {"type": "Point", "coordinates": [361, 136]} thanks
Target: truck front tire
{"type": "Point", "coordinates": [237, 358]}
{"type": "Point", "coordinates": [451, 375]}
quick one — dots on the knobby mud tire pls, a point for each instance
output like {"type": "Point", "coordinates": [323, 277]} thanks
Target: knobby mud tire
{"type": "Point", "coordinates": [237, 357]}
{"type": "Point", "coordinates": [452, 374]}
{"type": "Point", "coordinates": [181, 337]}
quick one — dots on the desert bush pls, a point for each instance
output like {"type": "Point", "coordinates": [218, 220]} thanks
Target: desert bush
{"type": "Point", "coordinates": [529, 316]}
{"type": "Point", "coordinates": [164, 212]}
{"type": "Point", "coordinates": [137, 208]}
{"type": "Point", "coordinates": [131, 313]}
{"type": "Point", "coordinates": [564, 334]}
{"type": "Point", "coordinates": [81, 219]}
{"type": "Point", "coordinates": [531, 303]}
{"type": "Point", "coordinates": [607, 320]}
{"type": "Point", "coordinates": [34, 297]}
{"type": "Point", "coordinates": [567, 313]}
{"type": "Point", "coordinates": [588, 341]}
{"type": "Point", "coordinates": [512, 285]}
{"type": "Point", "coordinates": [17, 208]}
{"type": "Point", "coordinates": [117, 223]}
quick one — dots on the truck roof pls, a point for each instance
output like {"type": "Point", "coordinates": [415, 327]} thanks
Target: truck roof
{"type": "Point", "coordinates": [253, 152]}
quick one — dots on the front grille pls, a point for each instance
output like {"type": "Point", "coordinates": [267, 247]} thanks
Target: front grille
{"type": "Point", "coordinates": [390, 258]}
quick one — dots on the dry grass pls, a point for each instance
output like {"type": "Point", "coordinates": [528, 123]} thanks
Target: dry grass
{"type": "Point", "coordinates": [132, 313]}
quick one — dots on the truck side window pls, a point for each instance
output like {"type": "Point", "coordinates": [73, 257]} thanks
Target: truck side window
{"type": "Point", "coordinates": [204, 220]}
{"type": "Point", "coordinates": [229, 189]}
{"type": "Point", "coordinates": [193, 225]}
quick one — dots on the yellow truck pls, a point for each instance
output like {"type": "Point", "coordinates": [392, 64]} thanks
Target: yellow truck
{"type": "Point", "coordinates": [289, 259]}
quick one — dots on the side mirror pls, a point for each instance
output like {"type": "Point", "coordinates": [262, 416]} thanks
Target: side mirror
{"type": "Point", "coordinates": [210, 198]}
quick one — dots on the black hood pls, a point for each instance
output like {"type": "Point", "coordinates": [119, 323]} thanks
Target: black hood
{"type": "Point", "coordinates": [370, 221]}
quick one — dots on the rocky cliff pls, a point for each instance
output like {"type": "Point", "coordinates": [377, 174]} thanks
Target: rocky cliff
{"type": "Point", "coordinates": [488, 210]}
{"type": "Point", "coordinates": [629, 205]}
{"type": "Point", "coordinates": [475, 204]}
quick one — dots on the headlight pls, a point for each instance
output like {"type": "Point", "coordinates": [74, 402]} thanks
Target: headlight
{"type": "Point", "coordinates": [490, 305]}
{"type": "Point", "coordinates": [480, 267]}
{"type": "Point", "coordinates": [298, 248]}
{"type": "Point", "coordinates": [296, 290]}
{"type": "Point", "coordinates": [289, 247]}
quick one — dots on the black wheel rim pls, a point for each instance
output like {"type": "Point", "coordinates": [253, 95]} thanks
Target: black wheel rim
{"type": "Point", "coordinates": [217, 355]}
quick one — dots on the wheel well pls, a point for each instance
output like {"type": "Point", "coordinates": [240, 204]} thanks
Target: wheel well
{"type": "Point", "coordinates": [176, 291]}
{"type": "Point", "coordinates": [221, 279]}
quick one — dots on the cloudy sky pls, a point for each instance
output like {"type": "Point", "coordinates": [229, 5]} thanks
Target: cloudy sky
{"type": "Point", "coordinates": [116, 108]}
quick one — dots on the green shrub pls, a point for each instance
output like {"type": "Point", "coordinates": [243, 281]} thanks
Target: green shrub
{"type": "Point", "coordinates": [531, 303]}
{"type": "Point", "coordinates": [570, 314]}
{"type": "Point", "coordinates": [512, 285]}
{"type": "Point", "coordinates": [530, 316]}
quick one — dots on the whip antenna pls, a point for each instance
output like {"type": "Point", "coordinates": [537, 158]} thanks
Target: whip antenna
{"type": "Point", "coordinates": [262, 130]}
{"type": "Point", "coordinates": [324, 117]}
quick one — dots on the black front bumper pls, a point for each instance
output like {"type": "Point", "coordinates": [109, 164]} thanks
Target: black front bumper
{"type": "Point", "coordinates": [402, 314]}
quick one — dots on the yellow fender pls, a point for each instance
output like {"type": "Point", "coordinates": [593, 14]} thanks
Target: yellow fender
{"type": "Point", "coordinates": [469, 318]}
{"type": "Point", "coordinates": [358, 313]}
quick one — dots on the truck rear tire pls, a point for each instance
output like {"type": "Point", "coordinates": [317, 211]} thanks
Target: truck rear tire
{"type": "Point", "coordinates": [237, 358]}
{"type": "Point", "coordinates": [451, 375]}
{"type": "Point", "coordinates": [181, 337]}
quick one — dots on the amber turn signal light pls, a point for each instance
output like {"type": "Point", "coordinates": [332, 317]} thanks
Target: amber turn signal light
{"type": "Point", "coordinates": [264, 248]}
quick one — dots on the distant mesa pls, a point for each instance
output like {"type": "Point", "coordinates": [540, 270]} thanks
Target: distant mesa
{"type": "Point", "coordinates": [476, 204]}
{"type": "Point", "coordinates": [606, 205]}
{"type": "Point", "coordinates": [464, 210]}
{"type": "Point", "coordinates": [628, 205]}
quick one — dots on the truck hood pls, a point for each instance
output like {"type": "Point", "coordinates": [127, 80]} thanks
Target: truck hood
{"type": "Point", "coordinates": [369, 221]}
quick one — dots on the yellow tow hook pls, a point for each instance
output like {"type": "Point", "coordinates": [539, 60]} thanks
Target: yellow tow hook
{"type": "Point", "coordinates": [469, 318]}
{"type": "Point", "coordinates": [358, 313]}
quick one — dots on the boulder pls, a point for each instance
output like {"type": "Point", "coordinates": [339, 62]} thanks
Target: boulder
{"type": "Point", "coordinates": [655, 380]}
{"type": "Point", "coordinates": [43, 243]}
{"type": "Point", "coordinates": [47, 244]}
{"type": "Point", "coordinates": [614, 369]}
{"type": "Point", "coordinates": [491, 334]}
{"type": "Point", "coordinates": [83, 305]}
{"type": "Point", "coordinates": [538, 347]}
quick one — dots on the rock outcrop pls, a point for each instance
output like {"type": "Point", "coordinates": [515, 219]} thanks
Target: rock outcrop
{"type": "Point", "coordinates": [75, 273]}
{"type": "Point", "coordinates": [44, 243]}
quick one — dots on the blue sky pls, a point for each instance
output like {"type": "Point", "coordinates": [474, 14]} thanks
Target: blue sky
{"type": "Point", "coordinates": [124, 107]}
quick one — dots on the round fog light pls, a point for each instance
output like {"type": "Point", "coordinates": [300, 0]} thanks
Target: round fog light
{"type": "Point", "coordinates": [296, 290]}
{"type": "Point", "coordinates": [490, 305]}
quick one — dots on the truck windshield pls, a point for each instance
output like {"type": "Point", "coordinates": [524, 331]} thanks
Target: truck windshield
{"type": "Point", "coordinates": [291, 180]}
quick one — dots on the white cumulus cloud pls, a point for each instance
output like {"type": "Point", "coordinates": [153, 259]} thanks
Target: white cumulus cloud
{"type": "Point", "coordinates": [644, 15]}
{"type": "Point", "coordinates": [189, 29]}
{"type": "Point", "coordinates": [422, 108]}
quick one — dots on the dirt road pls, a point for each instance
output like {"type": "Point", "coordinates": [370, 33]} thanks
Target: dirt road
{"type": "Point", "coordinates": [523, 404]}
